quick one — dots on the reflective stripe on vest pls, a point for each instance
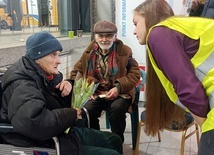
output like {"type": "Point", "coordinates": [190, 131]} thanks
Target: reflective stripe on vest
{"type": "Point", "coordinates": [203, 60]}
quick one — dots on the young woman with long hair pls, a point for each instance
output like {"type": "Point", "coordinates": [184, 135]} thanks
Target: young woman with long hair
{"type": "Point", "coordinates": [180, 72]}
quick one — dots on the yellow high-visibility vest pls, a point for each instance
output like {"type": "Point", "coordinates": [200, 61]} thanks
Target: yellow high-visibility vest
{"type": "Point", "coordinates": [203, 61]}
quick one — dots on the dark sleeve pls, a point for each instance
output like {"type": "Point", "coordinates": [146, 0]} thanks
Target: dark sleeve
{"type": "Point", "coordinates": [198, 11]}
{"type": "Point", "coordinates": [29, 115]}
{"type": "Point", "coordinates": [169, 54]}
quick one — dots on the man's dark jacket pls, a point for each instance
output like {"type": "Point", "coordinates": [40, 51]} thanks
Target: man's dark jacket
{"type": "Point", "coordinates": [35, 108]}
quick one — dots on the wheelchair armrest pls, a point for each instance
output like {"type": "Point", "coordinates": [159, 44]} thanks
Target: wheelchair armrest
{"type": "Point", "coordinates": [6, 128]}
{"type": "Point", "coordinates": [57, 145]}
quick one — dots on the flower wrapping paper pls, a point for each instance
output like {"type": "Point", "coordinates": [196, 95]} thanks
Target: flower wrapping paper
{"type": "Point", "coordinates": [82, 90]}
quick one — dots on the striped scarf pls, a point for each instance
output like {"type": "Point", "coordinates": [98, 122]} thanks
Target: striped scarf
{"type": "Point", "coordinates": [93, 62]}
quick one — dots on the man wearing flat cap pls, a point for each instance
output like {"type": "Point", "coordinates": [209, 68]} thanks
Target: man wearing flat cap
{"type": "Point", "coordinates": [109, 62]}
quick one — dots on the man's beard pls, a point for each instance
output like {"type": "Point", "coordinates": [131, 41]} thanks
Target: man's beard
{"type": "Point", "coordinates": [104, 46]}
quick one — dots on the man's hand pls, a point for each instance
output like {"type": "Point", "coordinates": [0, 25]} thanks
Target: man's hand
{"type": "Point", "coordinates": [79, 113]}
{"type": "Point", "coordinates": [195, 4]}
{"type": "Point", "coordinates": [112, 93]}
{"type": "Point", "coordinates": [92, 97]}
{"type": "Point", "coordinates": [65, 87]}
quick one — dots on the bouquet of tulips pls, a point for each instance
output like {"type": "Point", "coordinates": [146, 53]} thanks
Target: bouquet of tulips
{"type": "Point", "coordinates": [82, 90]}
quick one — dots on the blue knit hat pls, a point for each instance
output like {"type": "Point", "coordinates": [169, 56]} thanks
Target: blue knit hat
{"type": "Point", "coordinates": [41, 44]}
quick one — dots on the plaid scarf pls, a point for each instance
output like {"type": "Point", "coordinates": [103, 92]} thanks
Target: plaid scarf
{"type": "Point", "coordinates": [94, 62]}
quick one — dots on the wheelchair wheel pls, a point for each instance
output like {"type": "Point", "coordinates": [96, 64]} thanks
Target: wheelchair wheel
{"type": "Point", "coordinates": [4, 25]}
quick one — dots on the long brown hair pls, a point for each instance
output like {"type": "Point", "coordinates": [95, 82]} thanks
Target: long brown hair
{"type": "Point", "coordinates": [160, 111]}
